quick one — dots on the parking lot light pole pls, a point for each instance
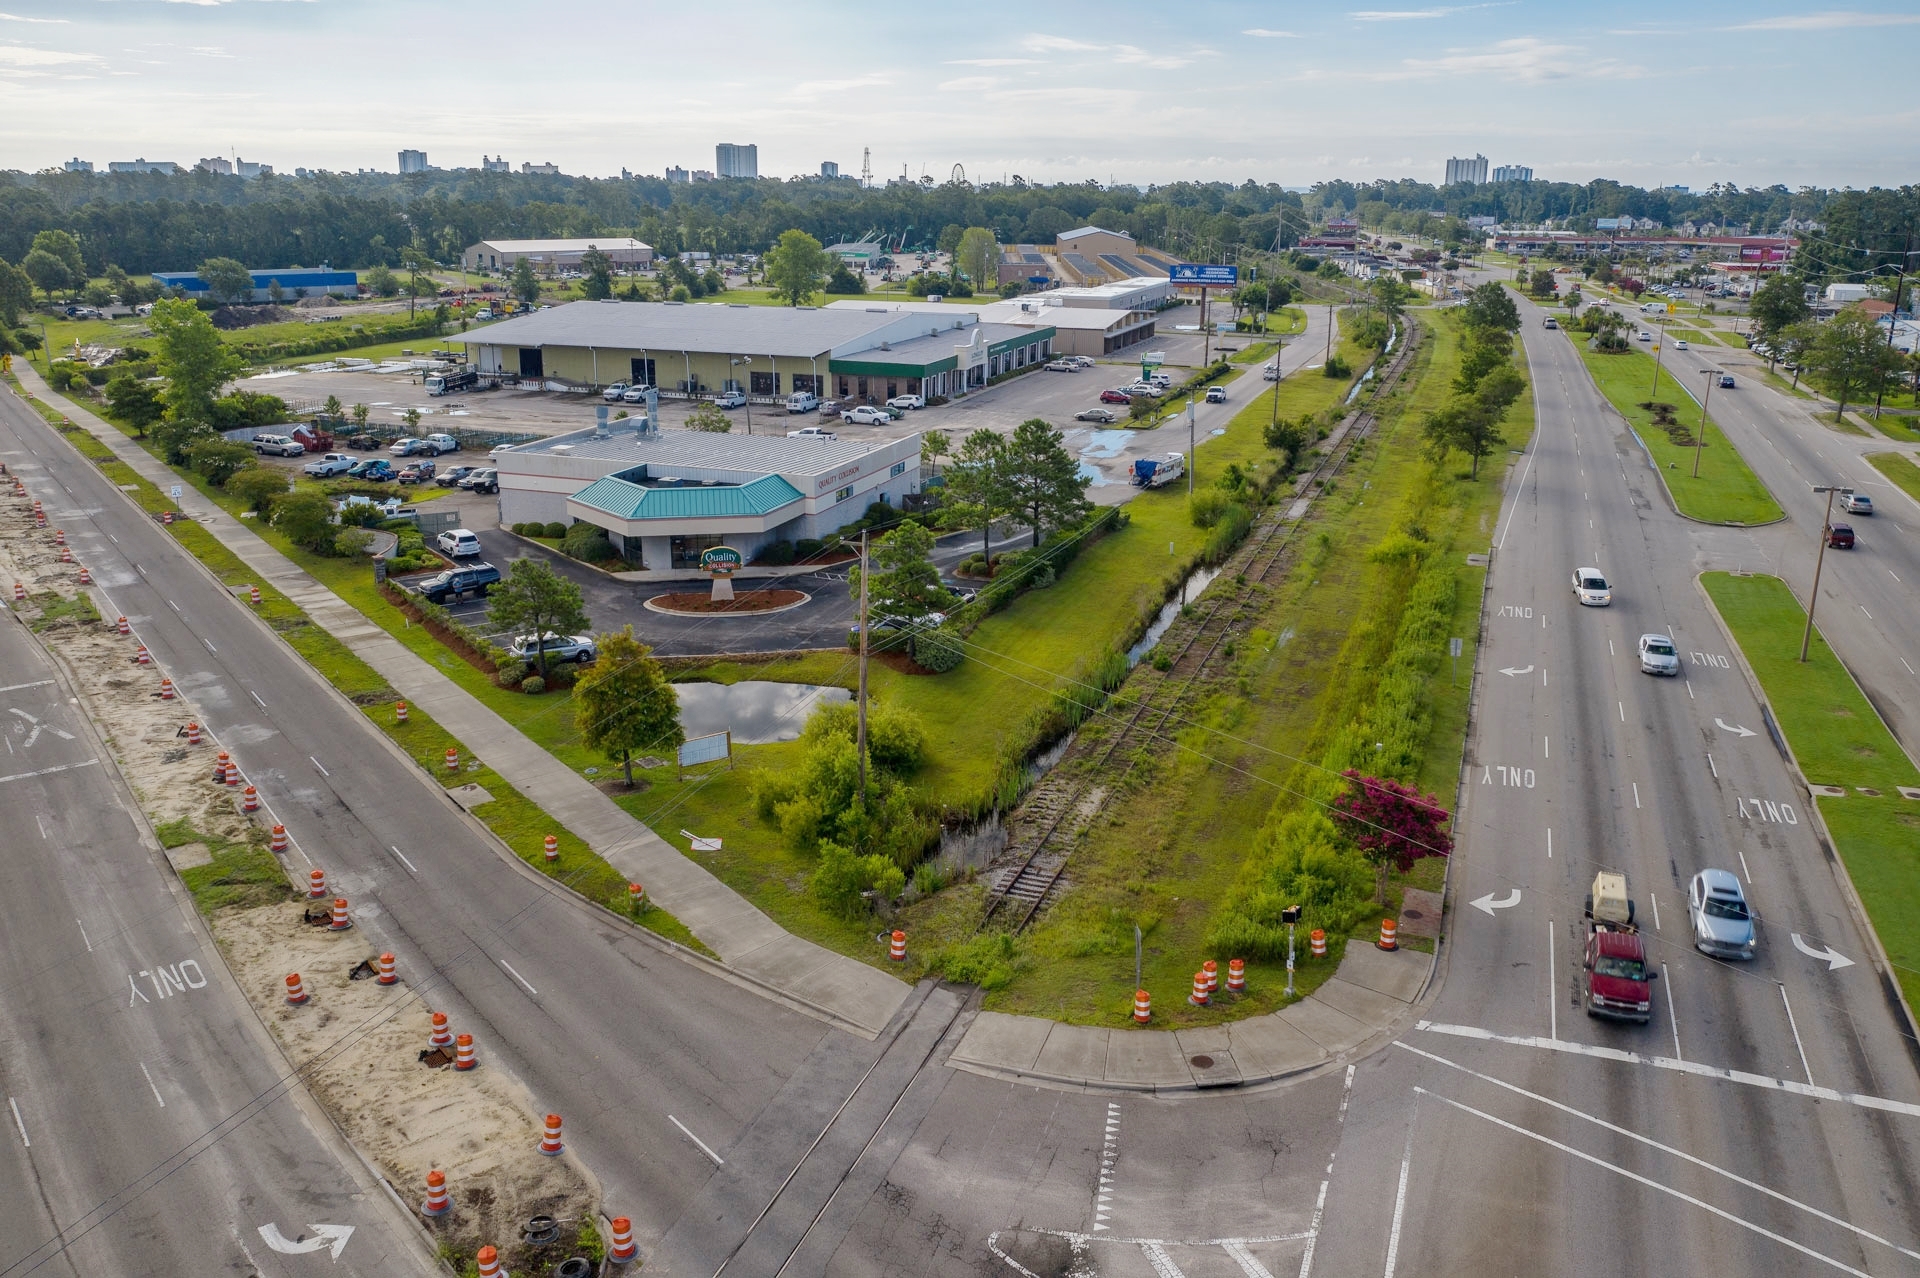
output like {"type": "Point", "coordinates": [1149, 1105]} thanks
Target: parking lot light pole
{"type": "Point", "coordinates": [1701, 442]}
{"type": "Point", "coordinates": [1826, 527]}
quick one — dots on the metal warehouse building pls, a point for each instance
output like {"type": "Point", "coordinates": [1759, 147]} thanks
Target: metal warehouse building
{"type": "Point", "coordinates": [500, 255]}
{"type": "Point", "coordinates": [864, 353]}
{"type": "Point", "coordinates": [666, 496]}
{"type": "Point", "coordinates": [295, 282]}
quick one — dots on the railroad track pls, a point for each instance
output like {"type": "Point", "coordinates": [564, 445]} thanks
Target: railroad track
{"type": "Point", "coordinates": [1035, 871]}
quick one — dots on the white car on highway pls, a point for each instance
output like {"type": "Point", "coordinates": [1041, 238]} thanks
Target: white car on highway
{"type": "Point", "coordinates": [1590, 588]}
{"type": "Point", "coordinates": [1657, 656]}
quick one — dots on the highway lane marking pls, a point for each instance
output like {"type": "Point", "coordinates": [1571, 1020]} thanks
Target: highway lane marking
{"type": "Point", "coordinates": [1896, 576]}
{"type": "Point", "coordinates": [1655, 902]}
{"type": "Point", "coordinates": [1553, 982]}
{"type": "Point", "coordinates": [170, 603]}
{"type": "Point", "coordinates": [1743, 1077]}
{"type": "Point", "coordinates": [1673, 1020]}
{"type": "Point", "coordinates": [1651, 1143]}
{"type": "Point", "coordinates": [1650, 1183]}
{"type": "Point", "coordinates": [150, 1083]}
{"type": "Point", "coordinates": [1400, 1195]}
{"type": "Point", "coordinates": [256, 698]}
{"type": "Point", "coordinates": [1243, 1258]}
{"type": "Point", "coordinates": [1716, 771]}
{"type": "Point", "coordinates": [516, 976]}
{"type": "Point", "coordinates": [19, 1122]}
{"type": "Point", "coordinates": [316, 763]}
{"type": "Point", "coordinates": [1910, 669]}
{"type": "Point", "coordinates": [1636, 793]}
{"type": "Point", "coordinates": [16, 687]}
{"type": "Point", "coordinates": [115, 540]}
{"type": "Point", "coordinates": [1103, 1192]}
{"type": "Point", "coordinates": [1546, 747]}
{"type": "Point", "coordinates": [210, 647]}
{"type": "Point", "coordinates": [1611, 653]}
{"type": "Point", "coordinates": [1549, 843]}
{"type": "Point", "coordinates": [1795, 1027]}
{"type": "Point", "coordinates": [1621, 704]}
{"type": "Point", "coordinates": [143, 572]}
{"type": "Point", "coordinates": [1863, 608]}
{"type": "Point", "coordinates": [61, 767]}
{"type": "Point", "coordinates": [1744, 872]}
{"type": "Point", "coordinates": [717, 1160]}
{"type": "Point", "coordinates": [1515, 508]}
{"type": "Point", "coordinates": [403, 857]}
{"type": "Point", "coordinates": [83, 934]}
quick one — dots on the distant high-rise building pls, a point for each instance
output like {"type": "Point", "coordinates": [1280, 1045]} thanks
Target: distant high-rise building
{"type": "Point", "coordinates": [251, 168]}
{"type": "Point", "coordinates": [1474, 170]}
{"type": "Point", "coordinates": [142, 165]}
{"type": "Point", "coordinates": [219, 164]}
{"type": "Point", "coordinates": [702, 175]}
{"type": "Point", "coordinates": [413, 161]}
{"type": "Point", "coordinates": [675, 173]}
{"type": "Point", "coordinates": [78, 165]}
{"type": "Point", "coordinates": [498, 164]}
{"type": "Point", "coordinates": [548, 169]}
{"type": "Point", "coordinates": [828, 169]}
{"type": "Point", "coordinates": [734, 160]}
{"type": "Point", "coordinates": [1513, 173]}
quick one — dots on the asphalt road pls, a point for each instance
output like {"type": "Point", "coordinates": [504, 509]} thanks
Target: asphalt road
{"type": "Point", "coordinates": [150, 1127]}
{"type": "Point", "coordinates": [603, 1028]}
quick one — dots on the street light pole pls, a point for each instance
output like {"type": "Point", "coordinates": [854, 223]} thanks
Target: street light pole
{"type": "Point", "coordinates": [1701, 442]}
{"type": "Point", "coordinates": [1826, 526]}
{"type": "Point", "coordinates": [748, 394]}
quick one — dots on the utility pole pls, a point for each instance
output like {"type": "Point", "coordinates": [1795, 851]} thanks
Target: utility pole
{"type": "Point", "coordinates": [1701, 441]}
{"type": "Point", "coordinates": [1329, 330]}
{"type": "Point", "coordinates": [1659, 349]}
{"type": "Point", "coordinates": [1191, 459]}
{"type": "Point", "coordinates": [1826, 526]}
{"type": "Point", "coordinates": [860, 738]}
{"type": "Point", "coordinates": [1279, 348]}
{"type": "Point", "coordinates": [1893, 321]}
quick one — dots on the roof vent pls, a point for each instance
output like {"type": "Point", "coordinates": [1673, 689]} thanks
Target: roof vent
{"type": "Point", "coordinates": [886, 346]}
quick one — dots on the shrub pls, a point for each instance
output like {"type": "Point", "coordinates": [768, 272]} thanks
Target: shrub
{"type": "Point", "coordinates": [989, 961]}
{"type": "Point", "coordinates": [555, 529]}
{"type": "Point", "coordinates": [519, 529]}
{"type": "Point", "coordinates": [1043, 576]}
{"type": "Point", "coordinates": [1228, 533]}
{"type": "Point", "coordinates": [1206, 506]}
{"type": "Point", "coordinates": [775, 554]}
{"type": "Point", "coordinates": [1336, 366]}
{"type": "Point", "coordinates": [511, 670]}
{"type": "Point", "coordinates": [842, 876]}
{"type": "Point", "coordinates": [588, 543]}
{"type": "Point", "coordinates": [533, 685]}
{"type": "Point", "coordinates": [937, 650]}
{"type": "Point", "coordinates": [353, 541]}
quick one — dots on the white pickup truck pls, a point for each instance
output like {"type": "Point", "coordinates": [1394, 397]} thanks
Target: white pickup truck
{"type": "Point", "coordinates": [330, 465]}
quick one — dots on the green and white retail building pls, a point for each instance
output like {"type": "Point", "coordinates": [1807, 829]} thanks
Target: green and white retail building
{"type": "Point", "coordinates": [865, 353]}
{"type": "Point", "coordinates": [666, 496]}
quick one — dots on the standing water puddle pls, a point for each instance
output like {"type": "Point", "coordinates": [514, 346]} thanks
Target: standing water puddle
{"type": "Point", "coordinates": [1189, 591]}
{"type": "Point", "coordinates": [757, 712]}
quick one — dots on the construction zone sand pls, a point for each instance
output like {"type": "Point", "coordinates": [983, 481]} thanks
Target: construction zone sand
{"type": "Point", "coordinates": [355, 1043]}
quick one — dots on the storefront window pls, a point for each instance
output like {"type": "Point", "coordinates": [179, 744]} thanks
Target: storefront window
{"type": "Point", "coordinates": [762, 383]}
{"type": "Point", "coordinates": [686, 550]}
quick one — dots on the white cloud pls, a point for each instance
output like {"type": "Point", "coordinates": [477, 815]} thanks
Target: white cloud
{"type": "Point", "coordinates": [994, 62]}
{"type": "Point", "coordinates": [1830, 20]}
{"type": "Point", "coordinates": [1526, 59]}
{"type": "Point", "coordinates": [1267, 34]}
{"type": "Point", "coordinates": [14, 17]}
{"type": "Point", "coordinates": [970, 84]}
{"type": "Point", "coordinates": [1414, 15]}
{"type": "Point", "coordinates": [1059, 44]}
{"type": "Point", "coordinates": [19, 55]}
{"type": "Point", "coordinates": [1123, 54]}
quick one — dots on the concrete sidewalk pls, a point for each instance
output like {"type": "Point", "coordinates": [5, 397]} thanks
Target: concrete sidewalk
{"type": "Point", "coordinates": [844, 990]}
{"type": "Point", "coordinates": [1373, 990]}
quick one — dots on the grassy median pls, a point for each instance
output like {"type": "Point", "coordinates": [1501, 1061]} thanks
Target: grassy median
{"type": "Point", "coordinates": [1838, 739]}
{"type": "Point", "coordinates": [1900, 469]}
{"type": "Point", "coordinates": [1727, 491]}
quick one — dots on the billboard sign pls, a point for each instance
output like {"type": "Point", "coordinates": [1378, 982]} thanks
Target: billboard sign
{"type": "Point", "coordinates": [720, 560]}
{"type": "Point", "coordinates": [1205, 274]}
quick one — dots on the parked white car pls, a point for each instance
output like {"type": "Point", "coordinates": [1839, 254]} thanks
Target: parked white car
{"type": "Point", "coordinates": [812, 432]}
{"type": "Point", "coordinates": [634, 395]}
{"type": "Point", "coordinates": [1062, 366]}
{"type": "Point", "coordinates": [613, 393]}
{"type": "Point", "coordinates": [409, 446]}
{"type": "Point", "coordinates": [864, 415]}
{"type": "Point", "coordinates": [731, 399]}
{"type": "Point", "coordinates": [458, 543]}
{"type": "Point", "coordinates": [907, 401]}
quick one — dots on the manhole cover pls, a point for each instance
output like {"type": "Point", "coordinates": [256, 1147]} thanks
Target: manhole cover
{"type": "Point", "coordinates": [1201, 1062]}
{"type": "Point", "coordinates": [435, 1058]}
{"type": "Point", "coordinates": [1411, 914]}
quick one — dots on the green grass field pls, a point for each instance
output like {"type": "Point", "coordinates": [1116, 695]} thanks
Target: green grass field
{"type": "Point", "coordinates": [1900, 469]}
{"type": "Point", "coordinates": [1897, 428]}
{"type": "Point", "coordinates": [1727, 491]}
{"type": "Point", "coordinates": [1838, 739]}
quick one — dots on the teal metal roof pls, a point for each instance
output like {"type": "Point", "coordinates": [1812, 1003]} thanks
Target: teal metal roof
{"type": "Point", "coordinates": [626, 500]}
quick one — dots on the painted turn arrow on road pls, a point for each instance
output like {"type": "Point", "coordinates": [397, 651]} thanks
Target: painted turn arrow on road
{"type": "Point", "coordinates": [334, 1236]}
{"type": "Point", "coordinates": [1488, 904]}
{"type": "Point", "coordinates": [1735, 728]}
{"type": "Point", "coordinates": [1833, 958]}
{"type": "Point", "coordinates": [1516, 670]}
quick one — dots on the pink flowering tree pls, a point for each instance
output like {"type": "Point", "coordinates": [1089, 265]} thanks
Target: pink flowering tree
{"type": "Point", "coordinates": [1392, 825]}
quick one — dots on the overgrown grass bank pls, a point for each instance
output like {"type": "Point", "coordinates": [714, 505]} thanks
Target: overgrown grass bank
{"type": "Point", "coordinates": [1727, 491]}
{"type": "Point", "coordinates": [1900, 470]}
{"type": "Point", "coordinates": [1838, 739]}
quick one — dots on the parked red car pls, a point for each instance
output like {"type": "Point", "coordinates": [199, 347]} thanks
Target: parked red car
{"type": "Point", "coordinates": [1114, 397]}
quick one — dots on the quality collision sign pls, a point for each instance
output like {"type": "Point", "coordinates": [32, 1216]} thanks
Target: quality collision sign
{"type": "Point", "coordinates": [837, 478]}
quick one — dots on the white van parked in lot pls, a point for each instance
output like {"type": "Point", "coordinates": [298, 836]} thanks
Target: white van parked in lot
{"type": "Point", "coordinates": [802, 402]}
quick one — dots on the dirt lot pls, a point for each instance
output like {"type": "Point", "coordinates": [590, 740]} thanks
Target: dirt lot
{"type": "Point", "coordinates": [480, 1127]}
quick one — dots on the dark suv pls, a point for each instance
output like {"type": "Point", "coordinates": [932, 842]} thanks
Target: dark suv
{"type": "Point", "coordinates": [474, 578]}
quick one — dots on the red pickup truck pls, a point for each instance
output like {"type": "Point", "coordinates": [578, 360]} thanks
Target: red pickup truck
{"type": "Point", "coordinates": [1617, 981]}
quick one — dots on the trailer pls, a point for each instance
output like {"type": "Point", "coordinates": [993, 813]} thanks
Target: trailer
{"type": "Point", "coordinates": [1151, 473]}
{"type": "Point", "coordinates": [1616, 979]}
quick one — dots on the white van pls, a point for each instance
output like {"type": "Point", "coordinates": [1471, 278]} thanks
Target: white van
{"type": "Point", "coordinates": [802, 402]}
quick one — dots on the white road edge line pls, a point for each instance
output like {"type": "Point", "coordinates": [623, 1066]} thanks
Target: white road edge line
{"type": "Point", "coordinates": [1745, 873]}
{"type": "Point", "coordinates": [1553, 988]}
{"type": "Point", "coordinates": [1400, 1195]}
{"type": "Point", "coordinates": [1655, 902]}
{"type": "Point", "coordinates": [1673, 1019]}
{"type": "Point", "coordinates": [316, 763]}
{"type": "Point", "coordinates": [210, 647]}
{"type": "Point", "coordinates": [83, 934]}
{"type": "Point", "coordinates": [61, 767]}
{"type": "Point", "coordinates": [1515, 508]}
{"type": "Point", "coordinates": [1651, 1143]}
{"type": "Point", "coordinates": [37, 683]}
{"type": "Point", "coordinates": [19, 1122]}
{"type": "Point", "coordinates": [516, 976]}
{"type": "Point", "coordinates": [1636, 794]}
{"type": "Point", "coordinates": [150, 1083]}
{"type": "Point", "coordinates": [1716, 771]}
{"type": "Point", "coordinates": [256, 698]}
{"type": "Point", "coordinates": [1650, 1183]}
{"type": "Point", "coordinates": [1795, 1027]}
{"type": "Point", "coordinates": [1744, 1078]}
{"type": "Point", "coordinates": [717, 1160]}
{"type": "Point", "coordinates": [403, 857]}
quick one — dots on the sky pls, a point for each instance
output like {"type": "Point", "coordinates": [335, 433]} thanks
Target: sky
{"type": "Point", "coordinates": [1753, 93]}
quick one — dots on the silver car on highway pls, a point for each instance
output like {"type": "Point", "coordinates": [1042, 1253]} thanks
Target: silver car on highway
{"type": "Point", "coordinates": [1657, 656]}
{"type": "Point", "coordinates": [1722, 923]}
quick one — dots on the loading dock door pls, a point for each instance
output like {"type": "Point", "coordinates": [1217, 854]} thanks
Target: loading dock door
{"type": "Point", "coordinates": [531, 362]}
